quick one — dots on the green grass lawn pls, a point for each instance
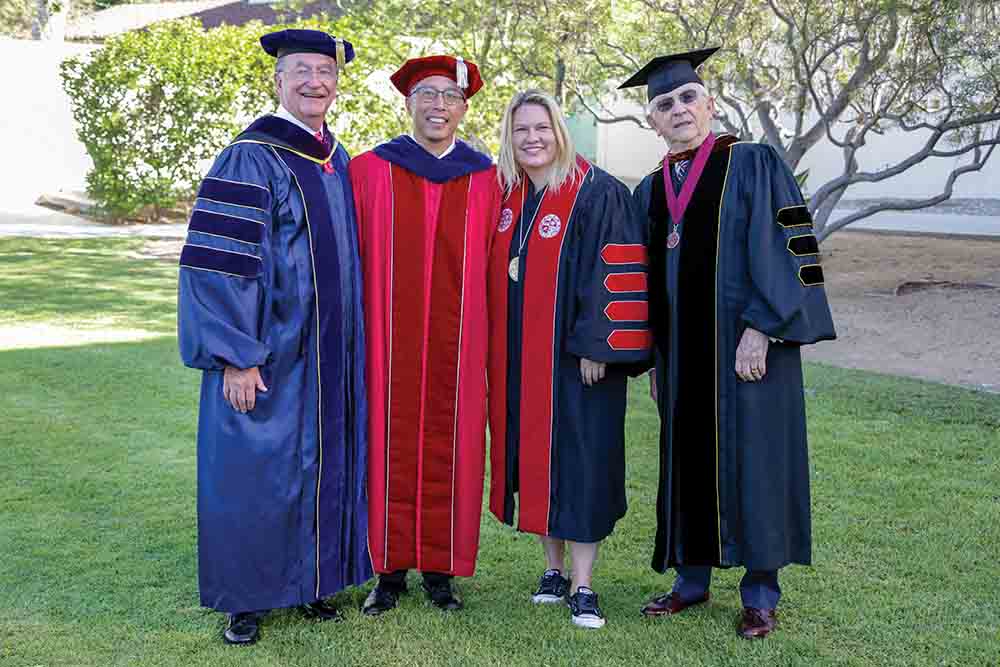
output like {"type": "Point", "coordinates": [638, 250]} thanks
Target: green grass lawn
{"type": "Point", "coordinates": [97, 521]}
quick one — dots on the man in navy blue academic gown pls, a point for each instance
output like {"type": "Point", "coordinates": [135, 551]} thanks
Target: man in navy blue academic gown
{"type": "Point", "coordinates": [736, 287]}
{"type": "Point", "coordinates": [269, 307]}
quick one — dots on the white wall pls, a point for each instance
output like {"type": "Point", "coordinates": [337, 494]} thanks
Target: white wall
{"type": "Point", "coordinates": [630, 153]}
{"type": "Point", "coordinates": [825, 161]}
{"type": "Point", "coordinates": [627, 151]}
{"type": "Point", "coordinates": [41, 151]}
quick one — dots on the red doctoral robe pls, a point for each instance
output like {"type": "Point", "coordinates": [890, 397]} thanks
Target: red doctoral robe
{"type": "Point", "coordinates": [425, 228]}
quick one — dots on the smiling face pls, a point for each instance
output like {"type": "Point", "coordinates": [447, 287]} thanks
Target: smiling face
{"type": "Point", "coordinates": [682, 116]}
{"type": "Point", "coordinates": [436, 105]}
{"type": "Point", "coordinates": [306, 84]}
{"type": "Point", "coordinates": [534, 140]}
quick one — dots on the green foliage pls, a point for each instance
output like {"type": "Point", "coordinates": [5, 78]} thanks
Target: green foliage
{"type": "Point", "coordinates": [376, 111]}
{"type": "Point", "coordinates": [16, 16]}
{"type": "Point", "coordinates": [557, 47]}
{"type": "Point", "coordinates": [370, 110]}
{"type": "Point", "coordinates": [152, 106]}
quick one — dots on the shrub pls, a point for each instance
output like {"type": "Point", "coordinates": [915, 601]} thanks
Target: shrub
{"type": "Point", "coordinates": [152, 106]}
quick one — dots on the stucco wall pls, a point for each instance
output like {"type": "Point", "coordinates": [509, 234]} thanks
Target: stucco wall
{"type": "Point", "coordinates": [41, 151]}
{"type": "Point", "coordinates": [630, 152]}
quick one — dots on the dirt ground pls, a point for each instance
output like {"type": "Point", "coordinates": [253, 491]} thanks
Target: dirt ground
{"type": "Point", "coordinates": [914, 305]}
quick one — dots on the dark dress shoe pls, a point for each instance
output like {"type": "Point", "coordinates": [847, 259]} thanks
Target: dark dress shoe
{"type": "Point", "coordinates": [380, 600]}
{"type": "Point", "coordinates": [442, 596]}
{"type": "Point", "coordinates": [242, 629]}
{"type": "Point", "coordinates": [670, 603]}
{"type": "Point", "coordinates": [757, 623]}
{"type": "Point", "coordinates": [322, 610]}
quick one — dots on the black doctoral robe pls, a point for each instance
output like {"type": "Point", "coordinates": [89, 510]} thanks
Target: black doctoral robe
{"type": "Point", "coordinates": [734, 473]}
{"type": "Point", "coordinates": [557, 444]}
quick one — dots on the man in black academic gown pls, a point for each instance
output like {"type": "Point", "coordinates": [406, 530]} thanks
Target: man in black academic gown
{"type": "Point", "coordinates": [735, 289]}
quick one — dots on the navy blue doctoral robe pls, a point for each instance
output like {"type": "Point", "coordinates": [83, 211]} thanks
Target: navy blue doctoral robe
{"type": "Point", "coordinates": [557, 444]}
{"type": "Point", "coordinates": [734, 473]}
{"type": "Point", "coordinates": [270, 277]}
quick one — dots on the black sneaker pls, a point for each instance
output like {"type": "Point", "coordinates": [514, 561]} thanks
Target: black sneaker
{"type": "Point", "coordinates": [442, 596]}
{"type": "Point", "coordinates": [552, 588]}
{"type": "Point", "coordinates": [583, 606]}
{"type": "Point", "coordinates": [381, 600]}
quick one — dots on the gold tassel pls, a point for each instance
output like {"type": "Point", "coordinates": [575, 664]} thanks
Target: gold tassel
{"type": "Point", "coordinates": [341, 53]}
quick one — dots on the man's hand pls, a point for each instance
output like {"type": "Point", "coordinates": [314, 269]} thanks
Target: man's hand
{"type": "Point", "coordinates": [592, 372]}
{"type": "Point", "coordinates": [751, 355]}
{"type": "Point", "coordinates": [652, 385]}
{"type": "Point", "coordinates": [239, 387]}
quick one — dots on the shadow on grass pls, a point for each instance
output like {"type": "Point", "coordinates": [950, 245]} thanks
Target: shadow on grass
{"type": "Point", "coordinates": [84, 281]}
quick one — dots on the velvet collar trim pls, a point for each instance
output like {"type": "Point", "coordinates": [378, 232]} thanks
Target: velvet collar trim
{"type": "Point", "coordinates": [279, 132]}
{"type": "Point", "coordinates": [722, 141]}
{"type": "Point", "coordinates": [405, 152]}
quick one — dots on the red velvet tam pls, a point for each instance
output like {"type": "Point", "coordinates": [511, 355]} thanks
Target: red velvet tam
{"type": "Point", "coordinates": [416, 70]}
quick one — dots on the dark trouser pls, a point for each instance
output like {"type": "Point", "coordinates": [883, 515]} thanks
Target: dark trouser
{"type": "Point", "coordinates": [395, 581]}
{"type": "Point", "coordinates": [758, 588]}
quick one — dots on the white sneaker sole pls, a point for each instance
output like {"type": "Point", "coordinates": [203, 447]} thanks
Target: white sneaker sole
{"type": "Point", "coordinates": [591, 622]}
{"type": "Point", "coordinates": [545, 598]}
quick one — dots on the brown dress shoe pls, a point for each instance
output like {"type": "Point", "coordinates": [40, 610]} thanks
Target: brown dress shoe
{"type": "Point", "coordinates": [670, 603]}
{"type": "Point", "coordinates": [757, 623]}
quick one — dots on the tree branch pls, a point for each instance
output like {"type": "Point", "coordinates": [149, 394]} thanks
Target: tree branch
{"type": "Point", "coordinates": [861, 74]}
{"type": "Point", "coordinates": [927, 150]}
{"type": "Point", "coordinates": [910, 204]}
{"type": "Point", "coordinates": [627, 118]}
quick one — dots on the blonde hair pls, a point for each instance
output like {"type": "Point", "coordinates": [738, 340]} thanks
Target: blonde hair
{"type": "Point", "coordinates": [564, 168]}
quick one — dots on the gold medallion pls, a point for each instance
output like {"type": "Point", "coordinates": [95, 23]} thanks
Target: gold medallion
{"type": "Point", "coordinates": [512, 268]}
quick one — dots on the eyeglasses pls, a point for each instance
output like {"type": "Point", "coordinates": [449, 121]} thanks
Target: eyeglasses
{"type": "Point", "coordinates": [427, 95]}
{"type": "Point", "coordinates": [686, 97]}
{"type": "Point", "coordinates": [323, 73]}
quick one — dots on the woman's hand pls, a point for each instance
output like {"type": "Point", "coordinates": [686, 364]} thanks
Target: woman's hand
{"type": "Point", "coordinates": [592, 372]}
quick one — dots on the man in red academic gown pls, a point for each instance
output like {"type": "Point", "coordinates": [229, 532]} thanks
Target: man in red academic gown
{"type": "Point", "coordinates": [427, 205]}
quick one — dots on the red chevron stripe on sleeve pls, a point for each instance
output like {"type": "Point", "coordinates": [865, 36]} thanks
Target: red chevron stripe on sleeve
{"type": "Point", "coordinates": [624, 253]}
{"type": "Point", "coordinates": [625, 282]}
{"type": "Point", "coordinates": [627, 311]}
{"type": "Point", "coordinates": [629, 339]}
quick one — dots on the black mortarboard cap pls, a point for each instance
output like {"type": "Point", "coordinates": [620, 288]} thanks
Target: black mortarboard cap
{"type": "Point", "coordinates": [283, 42]}
{"type": "Point", "coordinates": [664, 73]}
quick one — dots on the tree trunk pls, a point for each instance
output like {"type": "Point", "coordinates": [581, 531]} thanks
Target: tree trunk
{"type": "Point", "coordinates": [560, 80]}
{"type": "Point", "coordinates": [50, 25]}
{"type": "Point", "coordinates": [40, 23]}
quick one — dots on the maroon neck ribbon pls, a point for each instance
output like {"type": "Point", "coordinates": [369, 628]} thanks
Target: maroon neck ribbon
{"type": "Point", "coordinates": [677, 205]}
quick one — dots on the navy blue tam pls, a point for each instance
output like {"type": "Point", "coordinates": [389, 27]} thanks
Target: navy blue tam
{"type": "Point", "coordinates": [665, 73]}
{"type": "Point", "coordinates": [284, 42]}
